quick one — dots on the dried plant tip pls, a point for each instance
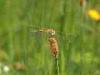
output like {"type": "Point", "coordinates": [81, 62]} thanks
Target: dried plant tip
{"type": "Point", "coordinates": [19, 66]}
{"type": "Point", "coordinates": [82, 2]}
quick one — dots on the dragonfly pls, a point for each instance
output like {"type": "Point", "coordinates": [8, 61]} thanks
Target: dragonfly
{"type": "Point", "coordinates": [52, 39]}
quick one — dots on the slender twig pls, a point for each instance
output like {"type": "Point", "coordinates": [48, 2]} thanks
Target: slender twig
{"type": "Point", "coordinates": [57, 65]}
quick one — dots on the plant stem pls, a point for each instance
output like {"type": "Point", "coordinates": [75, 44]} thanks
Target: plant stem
{"type": "Point", "coordinates": [57, 65]}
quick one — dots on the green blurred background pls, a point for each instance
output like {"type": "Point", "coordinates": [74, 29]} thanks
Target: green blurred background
{"type": "Point", "coordinates": [78, 36]}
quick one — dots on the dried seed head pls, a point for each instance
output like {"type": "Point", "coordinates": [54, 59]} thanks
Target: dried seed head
{"type": "Point", "coordinates": [82, 2]}
{"type": "Point", "coordinates": [19, 66]}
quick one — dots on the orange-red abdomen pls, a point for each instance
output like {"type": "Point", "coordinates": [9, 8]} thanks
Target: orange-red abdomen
{"type": "Point", "coordinates": [53, 46]}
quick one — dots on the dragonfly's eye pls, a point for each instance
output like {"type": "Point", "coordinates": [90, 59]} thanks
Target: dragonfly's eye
{"type": "Point", "coordinates": [51, 33]}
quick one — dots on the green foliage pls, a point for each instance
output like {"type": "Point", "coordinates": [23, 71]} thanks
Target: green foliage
{"type": "Point", "coordinates": [78, 37]}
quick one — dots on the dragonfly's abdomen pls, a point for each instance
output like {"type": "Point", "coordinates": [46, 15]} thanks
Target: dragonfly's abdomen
{"type": "Point", "coordinates": [53, 46]}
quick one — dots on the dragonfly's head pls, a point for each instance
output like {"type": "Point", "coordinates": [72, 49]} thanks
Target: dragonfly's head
{"type": "Point", "coordinates": [51, 32]}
